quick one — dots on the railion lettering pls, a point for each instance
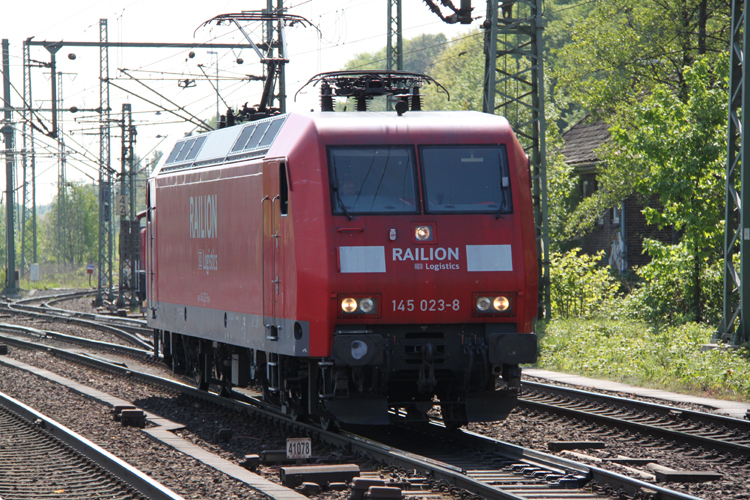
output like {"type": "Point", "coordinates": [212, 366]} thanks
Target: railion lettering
{"type": "Point", "coordinates": [425, 254]}
{"type": "Point", "coordinates": [204, 216]}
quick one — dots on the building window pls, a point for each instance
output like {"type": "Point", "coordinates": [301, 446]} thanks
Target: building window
{"type": "Point", "coordinates": [616, 215]}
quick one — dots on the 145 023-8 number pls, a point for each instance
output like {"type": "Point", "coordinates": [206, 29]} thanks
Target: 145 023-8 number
{"type": "Point", "coordinates": [425, 305]}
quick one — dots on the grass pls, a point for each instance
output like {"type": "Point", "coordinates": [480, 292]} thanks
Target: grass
{"type": "Point", "coordinates": [636, 353]}
{"type": "Point", "coordinates": [52, 278]}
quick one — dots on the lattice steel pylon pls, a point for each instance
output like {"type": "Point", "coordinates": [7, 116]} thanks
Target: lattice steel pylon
{"type": "Point", "coordinates": [129, 245]}
{"type": "Point", "coordinates": [105, 173]}
{"type": "Point", "coordinates": [394, 50]}
{"type": "Point", "coordinates": [28, 213]}
{"type": "Point", "coordinates": [734, 326]}
{"type": "Point", "coordinates": [62, 186]}
{"type": "Point", "coordinates": [514, 87]}
{"type": "Point", "coordinates": [280, 45]}
{"type": "Point", "coordinates": [8, 131]}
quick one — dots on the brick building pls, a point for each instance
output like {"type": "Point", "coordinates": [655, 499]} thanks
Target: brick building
{"type": "Point", "coordinates": [621, 230]}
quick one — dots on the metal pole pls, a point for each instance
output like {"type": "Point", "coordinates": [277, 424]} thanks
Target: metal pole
{"type": "Point", "coordinates": [105, 182]}
{"type": "Point", "coordinates": [122, 211]}
{"type": "Point", "coordinates": [218, 113]}
{"type": "Point", "coordinates": [62, 191]}
{"type": "Point", "coordinates": [734, 328]}
{"type": "Point", "coordinates": [8, 132]}
{"type": "Point", "coordinates": [394, 57]}
{"type": "Point", "coordinates": [515, 36]}
{"type": "Point", "coordinates": [283, 55]}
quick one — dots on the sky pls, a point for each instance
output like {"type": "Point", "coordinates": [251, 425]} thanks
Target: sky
{"type": "Point", "coordinates": [347, 27]}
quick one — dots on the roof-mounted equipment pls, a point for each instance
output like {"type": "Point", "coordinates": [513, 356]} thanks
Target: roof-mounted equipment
{"type": "Point", "coordinates": [273, 64]}
{"type": "Point", "coordinates": [367, 84]}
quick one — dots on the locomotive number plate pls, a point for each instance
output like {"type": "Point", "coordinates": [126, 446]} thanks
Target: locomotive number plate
{"type": "Point", "coordinates": [426, 305]}
{"type": "Point", "coordinates": [298, 448]}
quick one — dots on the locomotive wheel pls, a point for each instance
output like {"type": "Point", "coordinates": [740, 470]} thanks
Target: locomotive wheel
{"type": "Point", "coordinates": [202, 372]}
{"type": "Point", "coordinates": [454, 415]}
{"type": "Point", "coordinates": [328, 424]}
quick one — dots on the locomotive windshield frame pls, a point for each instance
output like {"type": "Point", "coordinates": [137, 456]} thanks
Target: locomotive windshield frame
{"type": "Point", "coordinates": [465, 179]}
{"type": "Point", "coordinates": [373, 180]}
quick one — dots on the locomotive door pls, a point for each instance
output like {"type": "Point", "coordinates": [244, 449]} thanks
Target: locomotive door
{"type": "Point", "coordinates": [274, 209]}
{"type": "Point", "coordinates": [151, 283]}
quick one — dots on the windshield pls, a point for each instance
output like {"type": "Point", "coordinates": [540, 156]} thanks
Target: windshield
{"type": "Point", "coordinates": [367, 180]}
{"type": "Point", "coordinates": [466, 179]}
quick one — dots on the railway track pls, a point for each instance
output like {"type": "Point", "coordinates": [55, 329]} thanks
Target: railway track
{"type": "Point", "coordinates": [130, 331]}
{"type": "Point", "coordinates": [705, 431]}
{"type": "Point", "coordinates": [477, 464]}
{"type": "Point", "coordinates": [39, 458]}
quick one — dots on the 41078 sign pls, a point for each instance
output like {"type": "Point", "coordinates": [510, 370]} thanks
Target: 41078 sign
{"type": "Point", "coordinates": [298, 447]}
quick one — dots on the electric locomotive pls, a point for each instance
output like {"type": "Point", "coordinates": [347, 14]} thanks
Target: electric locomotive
{"type": "Point", "coordinates": [349, 263]}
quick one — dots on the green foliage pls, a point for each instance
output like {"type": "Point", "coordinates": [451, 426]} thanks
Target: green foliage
{"type": "Point", "coordinates": [420, 54]}
{"type": "Point", "coordinates": [634, 352]}
{"type": "Point", "coordinates": [579, 287]}
{"type": "Point", "coordinates": [562, 187]}
{"type": "Point", "coordinates": [678, 148]}
{"type": "Point", "coordinates": [54, 276]}
{"type": "Point", "coordinates": [460, 70]}
{"type": "Point", "coordinates": [75, 239]}
{"type": "Point", "coordinates": [622, 49]}
{"type": "Point", "coordinates": [666, 291]}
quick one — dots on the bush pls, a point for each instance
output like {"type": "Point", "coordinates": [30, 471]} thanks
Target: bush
{"type": "Point", "coordinates": [665, 294]}
{"type": "Point", "coordinates": [631, 351]}
{"type": "Point", "coordinates": [579, 287]}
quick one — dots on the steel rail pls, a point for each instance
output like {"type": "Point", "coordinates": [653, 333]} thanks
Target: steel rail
{"type": "Point", "coordinates": [532, 460]}
{"type": "Point", "coordinates": [72, 339]}
{"type": "Point", "coordinates": [132, 338]}
{"type": "Point", "coordinates": [611, 415]}
{"type": "Point", "coordinates": [107, 461]}
{"type": "Point", "coordinates": [133, 323]}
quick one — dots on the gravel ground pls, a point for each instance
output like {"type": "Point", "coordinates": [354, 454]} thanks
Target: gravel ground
{"type": "Point", "coordinates": [203, 421]}
{"type": "Point", "coordinates": [535, 431]}
{"type": "Point", "coordinates": [61, 326]}
{"type": "Point", "coordinates": [183, 474]}
{"type": "Point", "coordinates": [676, 404]}
{"type": "Point", "coordinates": [521, 428]}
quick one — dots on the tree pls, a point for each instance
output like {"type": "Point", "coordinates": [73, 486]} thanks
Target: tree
{"type": "Point", "coordinates": [81, 227]}
{"type": "Point", "coordinates": [460, 70]}
{"type": "Point", "coordinates": [420, 54]}
{"type": "Point", "coordinates": [619, 54]}
{"type": "Point", "coordinates": [624, 48]}
{"type": "Point", "coordinates": [674, 146]}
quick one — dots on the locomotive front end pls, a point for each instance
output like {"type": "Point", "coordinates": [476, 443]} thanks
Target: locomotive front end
{"type": "Point", "coordinates": [435, 285]}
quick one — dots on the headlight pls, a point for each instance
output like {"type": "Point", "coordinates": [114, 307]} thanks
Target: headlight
{"type": "Point", "coordinates": [366, 305]}
{"type": "Point", "coordinates": [483, 303]}
{"type": "Point", "coordinates": [501, 303]}
{"type": "Point", "coordinates": [349, 305]}
{"type": "Point", "coordinates": [423, 233]}
{"type": "Point", "coordinates": [494, 304]}
{"type": "Point", "coordinates": [355, 305]}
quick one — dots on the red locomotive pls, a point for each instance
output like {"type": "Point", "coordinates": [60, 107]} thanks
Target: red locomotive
{"type": "Point", "coordinates": [349, 263]}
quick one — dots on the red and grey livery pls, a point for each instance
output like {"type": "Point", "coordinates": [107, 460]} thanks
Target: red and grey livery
{"type": "Point", "coordinates": [348, 263]}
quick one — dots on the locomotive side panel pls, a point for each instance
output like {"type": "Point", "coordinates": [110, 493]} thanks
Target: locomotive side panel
{"type": "Point", "coordinates": [210, 234]}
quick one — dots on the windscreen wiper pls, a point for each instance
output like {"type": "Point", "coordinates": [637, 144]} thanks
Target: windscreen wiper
{"type": "Point", "coordinates": [505, 190]}
{"type": "Point", "coordinates": [335, 186]}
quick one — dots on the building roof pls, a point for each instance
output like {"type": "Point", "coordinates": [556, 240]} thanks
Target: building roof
{"type": "Point", "coordinates": [581, 141]}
